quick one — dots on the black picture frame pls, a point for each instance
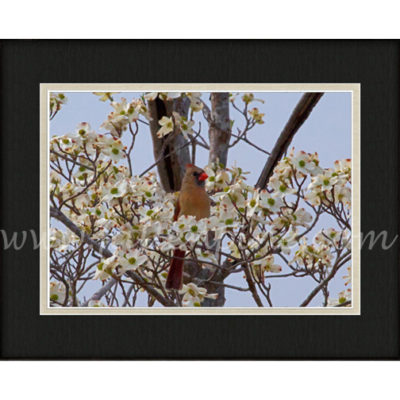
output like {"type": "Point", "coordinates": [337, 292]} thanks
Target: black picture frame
{"type": "Point", "coordinates": [27, 63]}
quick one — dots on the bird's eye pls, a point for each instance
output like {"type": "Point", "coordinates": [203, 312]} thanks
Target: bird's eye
{"type": "Point", "coordinates": [195, 173]}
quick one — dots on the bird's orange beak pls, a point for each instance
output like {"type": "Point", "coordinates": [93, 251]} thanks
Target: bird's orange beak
{"type": "Point", "coordinates": [202, 177]}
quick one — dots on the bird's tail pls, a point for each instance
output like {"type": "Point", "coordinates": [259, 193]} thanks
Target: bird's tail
{"type": "Point", "coordinates": [175, 273]}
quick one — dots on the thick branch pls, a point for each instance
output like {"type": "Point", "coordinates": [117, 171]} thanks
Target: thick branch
{"type": "Point", "coordinates": [172, 167]}
{"type": "Point", "coordinates": [220, 134]}
{"type": "Point", "coordinates": [220, 129]}
{"type": "Point", "coordinates": [296, 120]}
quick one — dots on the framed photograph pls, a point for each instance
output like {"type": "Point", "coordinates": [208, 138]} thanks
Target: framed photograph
{"type": "Point", "coordinates": [115, 250]}
{"type": "Point", "coordinates": [238, 201]}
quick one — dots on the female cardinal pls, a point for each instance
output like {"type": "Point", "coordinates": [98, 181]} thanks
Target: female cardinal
{"type": "Point", "coordinates": [192, 200]}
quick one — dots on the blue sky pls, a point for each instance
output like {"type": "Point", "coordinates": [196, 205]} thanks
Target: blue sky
{"type": "Point", "coordinates": [327, 131]}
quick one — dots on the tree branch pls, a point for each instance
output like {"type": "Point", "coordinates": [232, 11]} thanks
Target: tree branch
{"type": "Point", "coordinates": [171, 166]}
{"type": "Point", "coordinates": [57, 214]}
{"type": "Point", "coordinates": [219, 128]}
{"type": "Point", "coordinates": [315, 291]}
{"type": "Point", "coordinates": [296, 120]}
{"type": "Point", "coordinates": [101, 292]}
{"type": "Point", "coordinates": [252, 287]}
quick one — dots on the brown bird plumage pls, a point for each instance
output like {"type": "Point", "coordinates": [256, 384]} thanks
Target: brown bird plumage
{"type": "Point", "coordinates": [192, 200]}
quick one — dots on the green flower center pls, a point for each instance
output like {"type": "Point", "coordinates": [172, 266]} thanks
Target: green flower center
{"type": "Point", "coordinates": [229, 221]}
{"type": "Point", "coordinates": [271, 201]}
{"type": "Point", "coordinates": [194, 228]}
{"type": "Point", "coordinates": [54, 297]}
{"type": "Point", "coordinates": [114, 191]}
{"type": "Point", "coordinates": [326, 182]}
{"type": "Point", "coordinates": [302, 163]}
{"type": "Point", "coordinates": [82, 132]}
{"type": "Point", "coordinates": [132, 260]}
{"type": "Point", "coordinates": [115, 151]}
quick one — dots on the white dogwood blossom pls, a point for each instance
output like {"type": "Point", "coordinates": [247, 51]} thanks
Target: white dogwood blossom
{"type": "Point", "coordinates": [193, 295]}
{"type": "Point", "coordinates": [57, 100]}
{"type": "Point", "coordinates": [185, 125]}
{"type": "Point", "coordinates": [195, 101]}
{"type": "Point", "coordinates": [167, 126]}
{"type": "Point", "coordinates": [132, 260]}
{"type": "Point", "coordinates": [104, 96]}
{"type": "Point", "coordinates": [57, 292]}
{"type": "Point", "coordinates": [124, 114]}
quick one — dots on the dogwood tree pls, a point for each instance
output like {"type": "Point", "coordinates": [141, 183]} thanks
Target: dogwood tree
{"type": "Point", "coordinates": [113, 225]}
